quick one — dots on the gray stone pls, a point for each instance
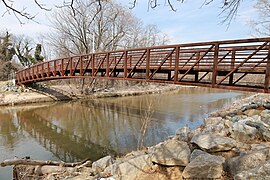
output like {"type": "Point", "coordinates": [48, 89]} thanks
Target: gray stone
{"type": "Point", "coordinates": [265, 116]}
{"type": "Point", "coordinates": [264, 131]}
{"type": "Point", "coordinates": [212, 121]}
{"type": "Point", "coordinates": [244, 133]}
{"type": "Point", "coordinates": [266, 105]}
{"type": "Point", "coordinates": [260, 172]}
{"type": "Point", "coordinates": [249, 106]}
{"type": "Point", "coordinates": [171, 152]}
{"type": "Point", "coordinates": [204, 166]}
{"type": "Point", "coordinates": [184, 134]}
{"type": "Point", "coordinates": [213, 143]}
{"type": "Point", "coordinates": [259, 146]}
{"type": "Point", "coordinates": [247, 161]}
{"type": "Point", "coordinates": [101, 164]}
{"type": "Point", "coordinates": [195, 153]}
{"type": "Point", "coordinates": [222, 127]}
{"type": "Point", "coordinates": [131, 168]}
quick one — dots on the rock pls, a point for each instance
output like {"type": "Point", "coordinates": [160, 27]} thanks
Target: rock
{"type": "Point", "coordinates": [265, 116]}
{"type": "Point", "coordinates": [204, 166]}
{"type": "Point", "coordinates": [195, 153]}
{"type": "Point", "coordinates": [221, 127]}
{"type": "Point", "coordinates": [264, 131]}
{"type": "Point", "coordinates": [247, 161]}
{"type": "Point", "coordinates": [259, 146]}
{"type": "Point", "coordinates": [101, 164]}
{"type": "Point", "coordinates": [212, 121]}
{"type": "Point", "coordinates": [130, 169]}
{"type": "Point", "coordinates": [171, 152]}
{"type": "Point", "coordinates": [252, 112]}
{"type": "Point", "coordinates": [184, 134]}
{"type": "Point", "coordinates": [249, 106]}
{"type": "Point", "coordinates": [260, 172]}
{"type": "Point", "coordinates": [213, 143]}
{"type": "Point", "coordinates": [266, 105]}
{"type": "Point", "coordinates": [244, 133]}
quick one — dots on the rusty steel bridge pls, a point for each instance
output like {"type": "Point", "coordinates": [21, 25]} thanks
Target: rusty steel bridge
{"type": "Point", "coordinates": [233, 64]}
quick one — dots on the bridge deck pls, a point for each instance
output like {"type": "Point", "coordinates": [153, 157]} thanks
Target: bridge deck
{"type": "Point", "coordinates": [236, 64]}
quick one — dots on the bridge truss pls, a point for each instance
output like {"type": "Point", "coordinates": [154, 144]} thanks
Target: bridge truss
{"type": "Point", "coordinates": [233, 64]}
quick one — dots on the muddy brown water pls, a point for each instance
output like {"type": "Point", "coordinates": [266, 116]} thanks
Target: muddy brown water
{"type": "Point", "coordinates": [73, 131]}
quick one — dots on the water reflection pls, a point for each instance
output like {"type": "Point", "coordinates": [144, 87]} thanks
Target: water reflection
{"type": "Point", "coordinates": [72, 131]}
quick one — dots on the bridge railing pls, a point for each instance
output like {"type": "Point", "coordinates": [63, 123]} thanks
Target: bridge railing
{"type": "Point", "coordinates": [178, 61]}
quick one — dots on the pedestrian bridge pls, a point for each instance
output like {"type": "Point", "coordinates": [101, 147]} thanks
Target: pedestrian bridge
{"type": "Point", "coordinates": [233, 64]}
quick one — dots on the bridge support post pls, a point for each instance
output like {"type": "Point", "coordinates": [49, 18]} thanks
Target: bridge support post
{"type": "Point", "coordinates": [215, 63]}
{"type": "Point", "coordinates": [107, 65]}
{"type": "Point", "coordinates": [93, 65]}
{"type": "Point", "coordinates": [176, 64]}
{"type": "Point", "coordinates": [125, 64]}
{"type": "Point", "coordinates": [267, 72]}
{"type": "Point", "coordinates": [147, 64]}
{"type": "Point", "coordinates": [196, 76]}
{"type": "Point", "coordinates": [232, 67]}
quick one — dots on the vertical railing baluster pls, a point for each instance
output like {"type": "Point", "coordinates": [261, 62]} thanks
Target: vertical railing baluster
{"type": "Point", "coordinates": [125, 63]}
{"type": "Point", "coordinates": [93, 65]}
{"type": "Point", "coordinates": [232, 67]}
{"type": "Point", "coordinates": [107, 64]}
{"type": "Point", "coordinates": [267, 72]}
{"type": "Point", "coordinates": [176, 63]}
{"type": "Point", "coordinates": [215, 63]}
{"type": "Point", "coordinates": [147, 63]}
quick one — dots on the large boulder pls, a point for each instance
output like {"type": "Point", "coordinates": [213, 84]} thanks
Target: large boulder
{"type": "Point", "coordinates": [247, 161]}
{"type": "Point", "coordinates": [213, 143]}
{"type": "Point", "coordinates": [101, 164]}
{"type": "Point", "coordinates": [131, 168]}
{"type": "Point", "coordinates": [262, 128]}
{"type": "Point", "coordinates": [260, 172]}
{"type": "Point", "coordinates": [204, 166]}
{"type": "Point", "coordinates": [195, 153]}
{"type": "Point", "coordinates": [218, 126]}
{"type": "Point", "coordinates": [171, 152]}
{"type": "Point", "coordinates": [243, 132]}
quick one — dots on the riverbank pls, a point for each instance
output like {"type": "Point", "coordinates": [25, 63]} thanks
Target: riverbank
{"type": "Point", "coordinates": [234, 142]}
{"type": "Point", "coordinates": [11, 95]}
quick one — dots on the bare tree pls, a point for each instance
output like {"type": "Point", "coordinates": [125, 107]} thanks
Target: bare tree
{"type": "Point", "coordinates": [229, 7]}
{"type": "Point", "coordinates": [95, 29]}
{"type": "Point", "coordinates": [262, 23]}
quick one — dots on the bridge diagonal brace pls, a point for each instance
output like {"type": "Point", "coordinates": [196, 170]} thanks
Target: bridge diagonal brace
{"type": "Point", "coordinates": [224, 56]}
{"type": "Point", "coordinates": [162, 62]}
{"type": "Point", "coordinates": [241, 77]}
{"type": "Point", "coordinates": [203, 76]}
{"type": "Point", "coordinates": [196, 63]}
{"type": "Point", "coordinates": [88, 63]}
{"type": "Point", "coordinates": [67, 66]}
{"type": "Point", "coordinates": [241, 64]}
{"type": "Point", "coordinates": [100, 64]}
{"type": "Point", "coordinates": [73, 72]}
{"type": "Point", "coordinates": [191, 57]}
{"type": "Point", "coordinates": [134, 67]}
{"type": "Point", "coordinates": [116, 64]}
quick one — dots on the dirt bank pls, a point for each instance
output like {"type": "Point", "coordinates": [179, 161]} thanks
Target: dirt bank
{"type": "Point", "coordinates": [12, 95]}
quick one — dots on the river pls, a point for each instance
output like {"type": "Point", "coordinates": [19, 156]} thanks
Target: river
{"type": "Point", "coordinates": [75, 130]}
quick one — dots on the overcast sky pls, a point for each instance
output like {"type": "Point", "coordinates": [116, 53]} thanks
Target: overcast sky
{"type": "Point", "coordinates": [190, 23]}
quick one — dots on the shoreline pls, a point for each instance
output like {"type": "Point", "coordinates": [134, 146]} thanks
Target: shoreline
{"type": "Point", "coordinates": [34, 96]}
{"type": "Point", "coordinates": [238, 146]}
